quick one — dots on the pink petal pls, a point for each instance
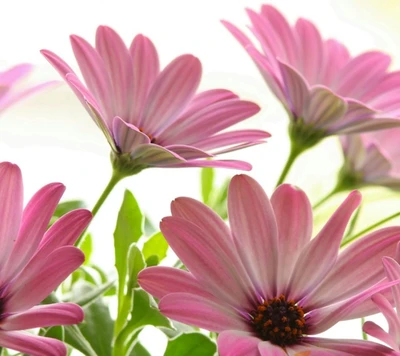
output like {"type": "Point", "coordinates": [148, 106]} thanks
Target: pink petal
{"type": "Point", "coordinates": [237, 343]}
{"type": "Point", "coordinates": [204, 256]}
{"type": "Point", "coordinates": [95, 74]}
{"type": "Point", "coordinates": [160, 281]}
{"type": "Point", "coordinates": [377, 332]}
{"type": "Point", "coordinates": [376, 164]}
{"type": "Point", "coordinates": [254, 231]}
{"type": "Point", "coordinates": [188, 152]}
{"type": "Point", "coordinates": [41, 277]}
{"type": "Point", "coordinates": [295, 89]}
{"type": "Point", "coordinates": [59, 64]}
{"type": "Point", "coordinates": [44, 316]}
{"type": "Point", "coordinates": [291, 204]}
{"type": "Point", "coordinates": [238, 34]}
{"type": "Point", "coordinates": [32, 344]}
{"type": "Point", "coordinates": [233, 164]}
{"type": "Point", "coordinates": [118, 64]}
{"type": "Point", "coordinates": [146, 67]}
{"type": "Point", "coordinates": [392, 271]}
{"type": "Point", "coordinates": [154, 155]}
{"type": "Point", "coordinates": [127, 136]}
{"type": "Point", "coordinates": [268, 349]}
{"type": "Point", "coordinates": [14, 74]}
{"type": "Point", "coordinates": [11, 198]}
{"type": "Point", "coordinates": [198, 311]}
{"type": "Point", "coordinates": [319, 255]}
{"type": "Point", "coordinates": [344, 281]}
{"type": "Point", "coordinates": [35, 220]}
{"type": "Point", "coordinates": [171, 92]}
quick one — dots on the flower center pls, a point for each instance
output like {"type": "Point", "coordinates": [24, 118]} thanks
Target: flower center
{"type": "Point", "coordinates": [152, 139]}
{"type": "Point", "coordinates": [279, 321]}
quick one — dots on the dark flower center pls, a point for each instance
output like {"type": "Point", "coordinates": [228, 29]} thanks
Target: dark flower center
{"type": "Point", "coordinates": [279, 321]}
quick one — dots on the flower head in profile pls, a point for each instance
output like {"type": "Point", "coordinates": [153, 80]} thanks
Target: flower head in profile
{"type": "Point", "coordinates": [371, 159]}
{"type": "Point", "coordinates": [262, 283]}
{"type": "Point", "coordinates": [10, 90]}
{"type": "Point", "coordinates": [152, 117]}
{"type": "Point", "coordinates": [34, 261]}
{"type": "Point", "coordinates": [392, 337]}
{"type": "Point", "coordinates": [324, 89]}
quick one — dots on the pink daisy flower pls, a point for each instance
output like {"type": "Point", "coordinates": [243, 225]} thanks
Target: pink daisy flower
{"type": "Point", "coordinates": [323, 88]}
{"type": "Point", "coordinates": [34, 262]}
{"type": "Point", "coordinates": [153, 118]}
{"type": "Point", "coordinates": [392, 337]}
{"type": "Point", "coordinates": [263, 284]}
{"type": "Point", "coordinates": [371, 159]}
{"type": "Point", "coordinates": [10, 90]}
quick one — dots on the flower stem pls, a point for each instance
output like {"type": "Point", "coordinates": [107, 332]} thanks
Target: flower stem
{"type": "Point", "coordinates": [295, 152]}
{"type": "Point", "coordinates": [327, 197]}
{"type": "Point", "coordinates": [369, 228]}
{"type": "Point", "coordinates": [115, 178]}
{"type": "Point", "coordinates": [364, 335]}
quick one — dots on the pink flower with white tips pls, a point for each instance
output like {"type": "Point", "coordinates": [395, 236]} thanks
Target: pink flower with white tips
{"type": "Point", "coordinates": [153, 118]}
{"type": "Point", "coordinates": [371, 159]}
{"type": "Point", "coordinates": [324, 89]}
{"type": "Point", "coordinates": [262, 283]}
{"type": "Point", "coordinates": [392, 337]}
{"type": "Point", "coordinates": [34, 262]}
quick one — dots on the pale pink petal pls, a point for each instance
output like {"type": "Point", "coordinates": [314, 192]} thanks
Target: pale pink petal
{"type": "Point", "coordinates": [295, 223]}
{"type": "Point", "coordinates": [154, 155]}
{"type": "Point", "coordinates": [237, 343]}
{"type": "Point", "coordinates": [32, 344]}
{"type": "Point", "coordinates": [310, 50]}
{"type": "Point", "coordinates": [171, 92]}
{"type": "Point", "coordinates": [35, 220]}
{"type": "Point", "coordinates": [59, 64]}
{"type": "Point", "coordinates": [377, 332]}
{"type": "Point", "coordinates": [268, 349]}
{"type": "Point", "coordinates": [376, 95]}
{"type": "Point", "coordinates": [392, 271]}
{"type": "Point", "coordinates": [201, 312]}
{"type": "Point", "coordinates": [160, 281]}
{"type": "Point", "coordinates": [319, 255]}
{"type": "Point", "coordinates": [255, 232]}
{"type": "Point", "coordinates": [146, 67]}
{"type": "Point", "coordinates": [41, 277]}
{"type": "Point", "coordinates": [344, 281]}
{"type": "Point", "coordinates": [206, 259]}
{"type": "Point", "coordinates": [127, 136]}
{"type": "Point", "coordinates": [94, 72]}
{"type": "Point", "coordinates": [324, 108]}
{"type": "Point", "coordinates": [118, 64]}
{"type": "Point", "coordinates": [188, 152]}
{"type": "Point", "coordinates": [238, 34]}
{"type": "Point", "coordinates": [296, 90]}
{"type": "Point", "coordinates": [373, 123]}
{"type": "Point", "coordinates": [232, 164]}
{"type": "Point", "coordinates": [42, 316]}
{"type": "Point", "coordinates": [14, 74]}
{"type": "Point", "coordinates": [376, 164]}
{"type": "Point", "coordinates": [11, 198]}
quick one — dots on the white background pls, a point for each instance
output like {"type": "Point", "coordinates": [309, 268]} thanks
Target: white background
{"type": "Point", "coordinates": [51, 137]}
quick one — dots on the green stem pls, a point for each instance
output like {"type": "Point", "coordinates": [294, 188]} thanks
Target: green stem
{"type": "Point", "coordinates": [353, 223]}
{"type": "Point", "coordinates": [364, 335]}
{"type": "Point", "coordinates": [295, 152]}
{"type": "Point", "coordinates": [327, 197]}
{"type": "Point", "coordinates": [115, 178]}
{"type": "Point", "coordinates": [369, 228]}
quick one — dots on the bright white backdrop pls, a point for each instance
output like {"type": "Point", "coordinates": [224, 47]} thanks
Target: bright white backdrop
{"type": "Point", "coordinates": [52, 138]}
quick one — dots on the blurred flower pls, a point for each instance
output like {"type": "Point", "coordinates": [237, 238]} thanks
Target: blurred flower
{"type": "Point", "coordinates": [10, 92]}
{"type": "Point", "coordinates": [323, 88]}
{"type": "Point", "coordinates": [152, 117]}
{"type": "Point", "coordinates": [371, 159]}
{"type": "Point", "coordinates": [33, 262]}
{"type": "Point", "coordinates": [392, 337]}
{"type": "Point", "coordinates": [263, 283]}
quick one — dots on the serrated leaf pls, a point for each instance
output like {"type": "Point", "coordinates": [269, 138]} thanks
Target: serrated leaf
{"type": "Point", "coordinates": [207, 182]}
{"type": "Point", "coordinates": [155, 246]}
{"type": "Point", "coordinates": [193, 344]}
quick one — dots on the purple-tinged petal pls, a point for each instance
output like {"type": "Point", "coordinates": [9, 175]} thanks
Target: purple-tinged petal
{"type": "Point", "coordinates": [94, 72]}
{"type": "Point", "coordinates": [320, 254]}
{"type": "Point", "coordinates": [268, 349]}
{"type": "Point", "coordinates": [377, 332]}
{"type": "Point", "coordinates": [392, 271]}
{"type": "Point", "coordinates": [237, 343]}
{"type": "Point", "coordinates": [127, 136]}
{"type": "Point", "coordinates": [255, 232]}
{"type": "Point", "coordinates": [201, 312]}
{"type": "Point", "coordinates": [376, 164]}
{"type": "Point", "coordinates": [32, 344]}
{"type": "Point", "coordinates": [293, 216]}
{"type": "Point", "coordinates": [209, 258]}
{"type": "Point", "coordinates": [188, 152]}
{"type": "Point", "coordinates": [11, 198]}
{"type": "Point", "coordinates": [232, 164]}
{"type": "Point", "coordinates": [35, 220]}
{"type": "Point", "coordinates": [154, 155]}
{"type": "Point", "coordinates": [171, 92]}
{"type": "Point", "coordinates": [160, 281]}
{"type": "Point", "coordinates": [146, 67]}
{"type": "Point", "coordinates": [14, 74]}
{"type": "Point", "coordinates": [41, 277]}
{"type": "Point", "coordinates": [118, 64]}
{"type": "Point", "coordinates": [44, 316]}
{"type": "Point", "coordinates": [344, 281]}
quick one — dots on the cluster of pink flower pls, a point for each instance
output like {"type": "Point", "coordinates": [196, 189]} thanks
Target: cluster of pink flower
{"type": "Point", "coordinates": [262, 283]}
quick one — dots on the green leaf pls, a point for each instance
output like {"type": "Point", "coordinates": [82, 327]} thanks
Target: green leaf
{"type": "Point", "coordinates": [55, 332]}
{"type": "Point", "coordinates": [139, 350]}
{"type": "Point", "coordinates": [155, 246]}
{"type": "Point", "coordinates": [67, 206]}
{"type": "Point", "coordinates": [92, 295]}
{"type": "Point", "coordinates": [207, 182]}
{"type": "Point", "coordinates": [193, 344]}
{"type": "Point", "coordinates": [75, 338]}
{"type": "Point", "coordinates": [86, 245]}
